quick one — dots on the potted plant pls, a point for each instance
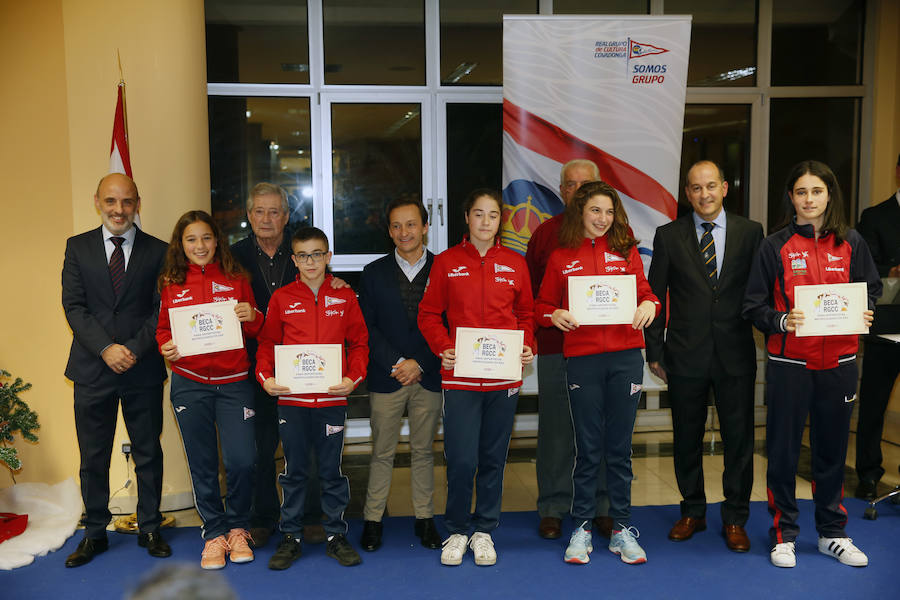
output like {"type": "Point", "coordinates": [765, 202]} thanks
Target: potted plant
{"type": "Point", "coordinates": [15, 416]}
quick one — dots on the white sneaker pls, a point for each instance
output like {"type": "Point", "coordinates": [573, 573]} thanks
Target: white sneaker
{"type": "Point", "coordinates": [580, 546]}
{"type": "Point", "coordinates": [454, 548]}
{"type": "Point", "coordinates": [843, 550]}
{"type": "Point", "coordinates": [483, 548]}
{"type": "Point", "coordinates": [624, 543]}
{"type": "Point", "coordinates": [782, 555]}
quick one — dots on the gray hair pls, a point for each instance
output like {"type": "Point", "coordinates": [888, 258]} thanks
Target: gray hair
{"type": "Point", "coordinates": [579, 162]}
{"type": "Point", "coordinates": [266, 189]}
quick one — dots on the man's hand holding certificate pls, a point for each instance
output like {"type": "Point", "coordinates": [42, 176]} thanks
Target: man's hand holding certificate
{"type": "Point", "coordinates": [829, 309]}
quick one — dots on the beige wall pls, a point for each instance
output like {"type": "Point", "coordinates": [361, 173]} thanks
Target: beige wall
{"type": "Point", "coordinates": [58, 99]}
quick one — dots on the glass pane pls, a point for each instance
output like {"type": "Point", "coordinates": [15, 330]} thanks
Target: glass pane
{"type": "Point", "coordinates": [474, 158]}
{"type": "Point", "coordinates": [472, 39]}
{"type": "Point", "coordinates": [825, 129]}
{"type": "Point", "coordinates": [257, 42]}
{"type": "Point", "coordinates": [376, 157]}
{"type": "Point", "coordinates": [720, 133]}
{"type": "Point", "coordinates": [723, 41]}
{"type": "Point", "coordinates": [818, 42]}
{"type": "Point", "coordinates": [601, 7]}
{"type": "Point", "coordinates": [253, 140]}
{"type": "Point", "coordinates": [374, 42]}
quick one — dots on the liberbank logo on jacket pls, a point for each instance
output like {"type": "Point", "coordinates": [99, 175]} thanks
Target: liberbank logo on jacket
{"type": "Point", "coordinates": [460, 271]}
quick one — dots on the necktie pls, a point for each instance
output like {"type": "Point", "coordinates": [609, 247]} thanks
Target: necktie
{"type": "Point", "coordinates": [708, 250]}
{"type": "Point", "coordinates": [117, 265]}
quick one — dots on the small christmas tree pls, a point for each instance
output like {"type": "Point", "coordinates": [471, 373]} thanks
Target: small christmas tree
{"type": "Point", "coordinates": [14, 416]}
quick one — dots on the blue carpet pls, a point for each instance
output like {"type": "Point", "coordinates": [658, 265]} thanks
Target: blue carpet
{"type": "Point", "coordinates": [528, 567]}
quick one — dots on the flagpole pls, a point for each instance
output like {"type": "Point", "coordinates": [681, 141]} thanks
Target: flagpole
{"type": "Point", "coordinates": [124, 102]}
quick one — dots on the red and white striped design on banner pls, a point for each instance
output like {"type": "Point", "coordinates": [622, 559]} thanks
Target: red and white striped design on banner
{"type": "Point", "coordinates": [119, 157]}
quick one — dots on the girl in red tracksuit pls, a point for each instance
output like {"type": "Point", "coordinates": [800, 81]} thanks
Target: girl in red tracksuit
{"type": "Point", "coordinates": [813, 376]}
{"type": "Point", "coordinates": [477, 283]}
{"type": "Point", "coordinates": [212, 391]}
{"type": "Point", "coordinates": [310, 311]}
{"type": "Point", "coordinates": [604, 366]}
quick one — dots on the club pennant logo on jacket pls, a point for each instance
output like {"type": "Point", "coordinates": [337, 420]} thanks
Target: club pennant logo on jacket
{"type": "Point", "coordinates": [219, 287]}
{"type": "Point", "coordinates": [498, 268]}
{"type": "Point", "coordinates": [329, 301]}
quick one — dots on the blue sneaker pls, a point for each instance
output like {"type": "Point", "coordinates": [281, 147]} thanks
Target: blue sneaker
{"type": "Point", "coordinates": [579, 546]}
{"type": "Point", "coordinates": [624, 543]}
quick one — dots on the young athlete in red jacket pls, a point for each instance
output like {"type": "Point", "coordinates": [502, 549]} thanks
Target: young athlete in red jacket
{"type": "Point", "coordinates": [212, 391]}
{"type": "Point", "coordinates": [477, 283]}
{"type": "Point", "coordinates": [604, 366]}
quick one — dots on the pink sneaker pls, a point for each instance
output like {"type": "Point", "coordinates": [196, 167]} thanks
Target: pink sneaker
{"type": "Point", "coordinates": [214, 552]}
{"type": "Point", "coordinates": [238, 544]}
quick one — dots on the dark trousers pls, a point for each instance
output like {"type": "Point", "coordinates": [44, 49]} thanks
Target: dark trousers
{"type": "Point", "coordinates": [734, 405]}
{"type": "Point", "coordinates": [604, 391]}
{"type": "Point", "coordinates": [477, 428]}
{"type": "Point", "coordinates": [304, 429]}
{"type": "Point", "coordinates": [794, 392]}
{"type": "Point", "coordinates": [880, 367]}
{"type": "Point", "coordinates": [556, 443]}
{"type": "Point", "coordinates": [96, 409]}
{"type": "Point", "coordinates": [266, 507]}
{"type": "Point", "coordinates": [201, 409]}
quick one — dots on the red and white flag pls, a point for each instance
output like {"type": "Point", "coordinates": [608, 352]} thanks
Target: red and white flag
{"type": "Point", "coordinates": [119, 156]}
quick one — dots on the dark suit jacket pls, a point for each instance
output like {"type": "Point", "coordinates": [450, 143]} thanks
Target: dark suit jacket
{"type": "Point", "coordinates": [98, 319]}
{"type": "Point", "coordinates": [391, 333]}
{"type": "Point", "coordinates": [879, 225]}
{"type": "Point", "coordinates": [704, 322]}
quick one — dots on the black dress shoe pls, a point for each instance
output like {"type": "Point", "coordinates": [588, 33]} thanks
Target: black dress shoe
{"type": "Point", "coordinates": [866, 489]}
{"type": "Point", "coordinates": [155, 544]}
{"type": "Point", "coordinates": [371, 536]}
{"type": "Point", "coordinates": [86, 550]}
{"type": "Point", "coordinates": [428, 533]}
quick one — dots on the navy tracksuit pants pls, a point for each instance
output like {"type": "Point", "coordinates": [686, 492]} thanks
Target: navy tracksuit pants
{"type": "Point", "coordinates": [604, 390]}
{"type": "Point", "coordinates": [827, 397]}
{"type": "Point", "coordinates": [200, 410]}
{"type": "Point", "coordinates": [304, 429]}
{"type": "Point", "coordinates": [477, 428]}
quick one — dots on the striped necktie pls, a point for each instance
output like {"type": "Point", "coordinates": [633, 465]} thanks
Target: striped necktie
{"type": "Point", "coordinates": [117, 265]}
{"type": "Point", "coordinates": [708, 250]}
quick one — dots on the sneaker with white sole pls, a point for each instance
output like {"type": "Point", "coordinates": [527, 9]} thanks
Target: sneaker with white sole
{"type": "Point", "coordinates": [624, 543]}
{"type": "Point", "coordinates": [483, 548]}
{"type": "Point", "coordinates": [454, 549]}
{"type": "Point", "coordinates": [782, 555]}
{"type": "Point", "coordinates": [239, 548]}
{"type": "Point", "coordinates": [580, 546]}
{"type": "Point", "coordinates": [214, 553]}
{"type": "Point", "coordinates": [843, 550]}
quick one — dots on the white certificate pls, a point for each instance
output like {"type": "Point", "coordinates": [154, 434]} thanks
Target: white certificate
{"type": "Point", "coordinates": [205, 328]}
{"type": "Point", "coordinates": [603, 299]}
{"type": "Point", "coordinates": [309, 368]}
{"type": "Point", "coordinates": [489, 353]}
{"type": "Point", "coordinates": [831, 309]}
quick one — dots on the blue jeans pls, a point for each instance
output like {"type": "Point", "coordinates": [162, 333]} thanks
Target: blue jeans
{"type": "Point", "coordinates": [604, 390]}
{"type": "Point", "coordinates": [477, 427]}
{"type": "Point", "coordinates": [200, 409]}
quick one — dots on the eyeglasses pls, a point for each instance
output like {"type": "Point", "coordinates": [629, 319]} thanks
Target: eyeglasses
{"type": "Point", "coordinates": [316, 256]}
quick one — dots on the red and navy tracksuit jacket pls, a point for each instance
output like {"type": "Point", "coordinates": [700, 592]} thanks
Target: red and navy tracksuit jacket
{"type": "Point", "coordinates": [296, 316]}
{"type": "Point", "coordinates": [202, 285]}
{"type": "Point", "coordinates": [592, 257]}
{"type": "Point", "coordinates": [491, 291]}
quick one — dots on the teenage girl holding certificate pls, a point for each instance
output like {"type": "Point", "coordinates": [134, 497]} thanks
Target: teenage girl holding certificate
{"type": "Point", "coordinates": [211, 392]}
{"type": "Point", "coordinates": [477, 283]}
{"type": "Point", "coordinates": [604, 366]}
{"type": "Point", "coordinates": [813, 376]}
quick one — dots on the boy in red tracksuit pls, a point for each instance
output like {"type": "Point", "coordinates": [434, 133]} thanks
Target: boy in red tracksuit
{"type": "Point", "coordinates": [308, 312]}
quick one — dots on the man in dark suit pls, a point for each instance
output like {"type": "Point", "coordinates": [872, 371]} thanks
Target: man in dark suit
{"type": "Point", "coordinates": [111, 302]}
{"type": "Point", "coordinates": [880, 227]}
{"type": "Point", "coordinates": [702, 261]}
{"type": "Point", "coordinates": [404, 375]}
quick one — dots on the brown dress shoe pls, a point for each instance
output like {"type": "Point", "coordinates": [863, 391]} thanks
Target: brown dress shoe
{"type": "Point", "coordinates": [736, 538]}
{"type": "Point", "coordinates": [550, 528]}
{"type": "Point", "coordinates": [603, 526]}
{"type": "Point", "coordinates": [686, 527]}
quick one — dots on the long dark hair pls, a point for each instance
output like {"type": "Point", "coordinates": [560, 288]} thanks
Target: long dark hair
{"type": "Point", "coordinates": [618, 237]}
{"type": "Point", "coordinates": [175, 265]}
{"type": "Point", "coordinates": [833, 218]}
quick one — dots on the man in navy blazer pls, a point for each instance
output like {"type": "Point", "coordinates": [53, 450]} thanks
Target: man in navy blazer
{"type": "Point", "coordinates": [113, 314]}
{"type": "Point", "coordinates": [707, 347]}
{"type": "Point", "coordinates": [403, 372]}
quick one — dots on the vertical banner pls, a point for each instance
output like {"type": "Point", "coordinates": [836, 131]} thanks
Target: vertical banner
{"type": "Point", "coordinates": [608, 89]}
